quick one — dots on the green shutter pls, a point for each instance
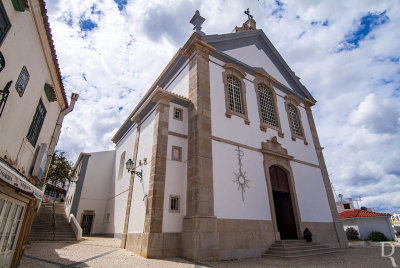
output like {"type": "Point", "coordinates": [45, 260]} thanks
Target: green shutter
{"type": "Point", "coordinates": [18, 6]}
{"type": "Point", "coordinates": [49, 94]}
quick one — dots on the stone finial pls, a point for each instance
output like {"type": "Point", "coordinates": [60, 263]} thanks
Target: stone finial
{"type": "Point", "coordinates": [197, 21]}
{"type": "Point", "coordinates": [249, 25]}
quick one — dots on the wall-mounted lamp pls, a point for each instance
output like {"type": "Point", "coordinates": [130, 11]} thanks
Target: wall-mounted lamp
{"type": "Point", "coordinates": [129, 165]}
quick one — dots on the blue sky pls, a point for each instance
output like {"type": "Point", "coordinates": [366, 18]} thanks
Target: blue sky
{"type": "Point", "coordinates": [345, 52]}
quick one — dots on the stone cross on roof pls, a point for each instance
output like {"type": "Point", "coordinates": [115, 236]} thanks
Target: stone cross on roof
{"type": "Point", "coordinates": [247, 12]}
{"type": "Point", "coordinates": [197, 21]}
{"type": "Point", "coordinates": [249, 25]}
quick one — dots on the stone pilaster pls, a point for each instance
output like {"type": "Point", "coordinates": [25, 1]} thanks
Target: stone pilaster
{"type": "Point", "coordinates": [129, 201]}
{"type": "Point", "coordinates": [200, 234]}
{"type": "Point", "coordinates": [152, 241]}
{"type": "Point", "coordinates": [341, 237]}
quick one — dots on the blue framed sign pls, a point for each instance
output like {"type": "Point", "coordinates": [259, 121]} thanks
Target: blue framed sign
{"type": "Point", "coordinates": [22, 81]}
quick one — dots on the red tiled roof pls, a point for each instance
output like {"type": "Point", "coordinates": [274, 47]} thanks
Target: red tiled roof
{"type": "Point", "coordinates": [356, 213]}
{"type": "Point", "coordinates": [51, 44]}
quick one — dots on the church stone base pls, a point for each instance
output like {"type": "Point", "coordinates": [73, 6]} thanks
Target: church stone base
{"type": "Point", "coordinates": [325, 233]}
{"type": "Point", "coordinates": [200, 239]}
{"type": "Point", "coordinates": [244, 238]}
{"type": "Point", "coordinates": [155, 245]}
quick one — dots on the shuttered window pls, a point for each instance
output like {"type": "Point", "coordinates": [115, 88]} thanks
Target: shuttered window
{"type": "Point", "coordinates": [36, 124]}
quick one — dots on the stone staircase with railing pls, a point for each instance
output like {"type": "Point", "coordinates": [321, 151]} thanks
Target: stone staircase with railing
{"type": "Point", "coordinates": [51, 224]}
{"type": "Point", "coordinates": [298, 248]}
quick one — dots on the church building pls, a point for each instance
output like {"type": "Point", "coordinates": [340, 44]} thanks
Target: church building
{"type": "Point", "coordinates": [220, 158]}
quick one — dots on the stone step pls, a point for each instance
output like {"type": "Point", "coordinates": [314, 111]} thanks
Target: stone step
{"type": "Point", "coordinates": [291, 241]}
{"type": "Point", "coordinates": [297, 246]}
{"type": "Point", "coordinates": [301, 254]}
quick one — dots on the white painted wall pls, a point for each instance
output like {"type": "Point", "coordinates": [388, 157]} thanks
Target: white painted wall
{"type": "Point", "coordinates": [228, 202]}
{"type": "Point", "coordinates": [235, 129]}
{"type": "Point", "coordinates": [95, 193]}
{"type": "Point", "coordinates": [366, 225]}
{"type": "Point", "coordinates": [178, 126]}
{"type": "Point", "coordinates": [17, 54]}
{"type": "Point", "coordinates": [255, 57]}
{"type": "Point", "coordinates": [119, 185]}
{"type": "Point", "coordinates": [179, 84]}
{"type": "Point", "coordinates": [311, 193]}
{"type": "Point", "coordinates": [350, 222]}
{"type": "Point", "coordinates": [140, 189]}
{"type": "Point", "coordinates": [175, 184]}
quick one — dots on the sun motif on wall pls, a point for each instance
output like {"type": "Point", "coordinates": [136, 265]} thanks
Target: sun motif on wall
{"type": "Point", "coordinates": [240, 176]}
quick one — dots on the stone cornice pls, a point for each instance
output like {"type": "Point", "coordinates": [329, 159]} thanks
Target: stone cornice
{"type": "Point", "coordinates": [158, 95]}
{"type": "Point", "coordinates": [275, 148]}
{"type": "Point", "coordinates": [196, 44]}
{"type": "Point", "coordinates": [309, 103]}
{"type": "Point", "coordinates": [39, 13]}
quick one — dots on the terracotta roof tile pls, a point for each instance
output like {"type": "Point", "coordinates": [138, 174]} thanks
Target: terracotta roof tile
{"type": "Point", "coordinates": [357, 213]}
{"type": "Point", "coordinates": [51, 44]}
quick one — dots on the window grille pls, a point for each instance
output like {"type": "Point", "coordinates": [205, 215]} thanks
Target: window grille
{"type": "Point", "coordinates": [234, 95]}
{"type": "Point", "coordinates": [294, 121]}
{"type": "Point", "coordinates": [174, 203]}
{"type": "Point", "coordinates": [178, 113]}
{"type": "Point", "coordinates": [267, 106]}
{"type": "Point", "coordinates": [36, 124]}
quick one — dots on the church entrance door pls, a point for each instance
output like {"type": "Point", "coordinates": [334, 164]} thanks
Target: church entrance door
{"type": "Point", "coordinates": [283, 203]}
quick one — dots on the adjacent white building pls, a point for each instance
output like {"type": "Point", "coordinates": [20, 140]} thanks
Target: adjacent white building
{"type": "Point", "coordinates": [225, 157]}
{"type": "Point", "coordinates": [366, 222]}
{"type": "Point", "coordinates": [32, 107]}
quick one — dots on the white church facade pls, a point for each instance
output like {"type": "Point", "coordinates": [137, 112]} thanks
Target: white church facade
{"type": "Point", "coordinates": [225, 154]}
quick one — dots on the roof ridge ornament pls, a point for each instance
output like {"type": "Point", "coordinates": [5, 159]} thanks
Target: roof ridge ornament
{"type": "Point", "coordinates": [197, 21]}
{"type": "Point", "coordinates": [248, 25]}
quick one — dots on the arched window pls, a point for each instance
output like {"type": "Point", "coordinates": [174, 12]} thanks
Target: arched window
{"type": "Point", "coordinates": [296, 127]}
{"type": "Point", "coordinates": [234, 95]}
{"type": "Point", "coordinates": [294, 121]}
{"type": "Point", "coordinates": [121, 165]}
{"type": "Point", "coordinates": [267, 106]}
{"type": "Point", "coordinates": [235, 92]}
{"type": "Point", "coordinates": [267, 102]}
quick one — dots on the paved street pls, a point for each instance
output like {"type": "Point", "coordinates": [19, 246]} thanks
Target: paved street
{"type": "Point", "coordinates": [105, 252]}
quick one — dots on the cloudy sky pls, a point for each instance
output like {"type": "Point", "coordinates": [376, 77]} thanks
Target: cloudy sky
{"type": "Point", "coordinates": [347, 54]}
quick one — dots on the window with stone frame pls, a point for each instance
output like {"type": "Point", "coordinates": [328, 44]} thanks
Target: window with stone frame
{"type": "Point", "coordinates": [235, 92]}
{"type": "Point", "coordinates": [178, 114]}
{"type": "Point", "coordinates": [234, 95]}
{"type": "Point", "coordinates": [292, 105]}
{"type": "Point", "coordinates": [267, 105]}
{"type": "Point", "coordinates": [174, 204]}
{"type": "Point", "coordinates": [36, 125]}
{"type": "Point", "coordinates": [294, 120]}
{"type": "Point", "coordinates": [267, 102]}
{"type": "Point", "coordinates": [176, 153]}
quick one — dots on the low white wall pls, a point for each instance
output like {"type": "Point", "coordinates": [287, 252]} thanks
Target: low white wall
{"type": "Point", "coordinates": [366, 225]}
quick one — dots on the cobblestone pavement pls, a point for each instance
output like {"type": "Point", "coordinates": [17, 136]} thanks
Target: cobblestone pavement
{"type": "Point", "coordinates": [105, 252]}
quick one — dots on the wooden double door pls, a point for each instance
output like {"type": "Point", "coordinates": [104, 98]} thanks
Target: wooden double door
{"type": "Point", "coordinates": [283, 203]}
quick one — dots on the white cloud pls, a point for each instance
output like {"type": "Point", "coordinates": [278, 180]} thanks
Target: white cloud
{"type": "Point", "coordinates": [358, 91]}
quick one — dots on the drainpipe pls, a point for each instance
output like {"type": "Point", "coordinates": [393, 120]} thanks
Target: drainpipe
{"type": "Point", "coordinates": [56, 133]}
